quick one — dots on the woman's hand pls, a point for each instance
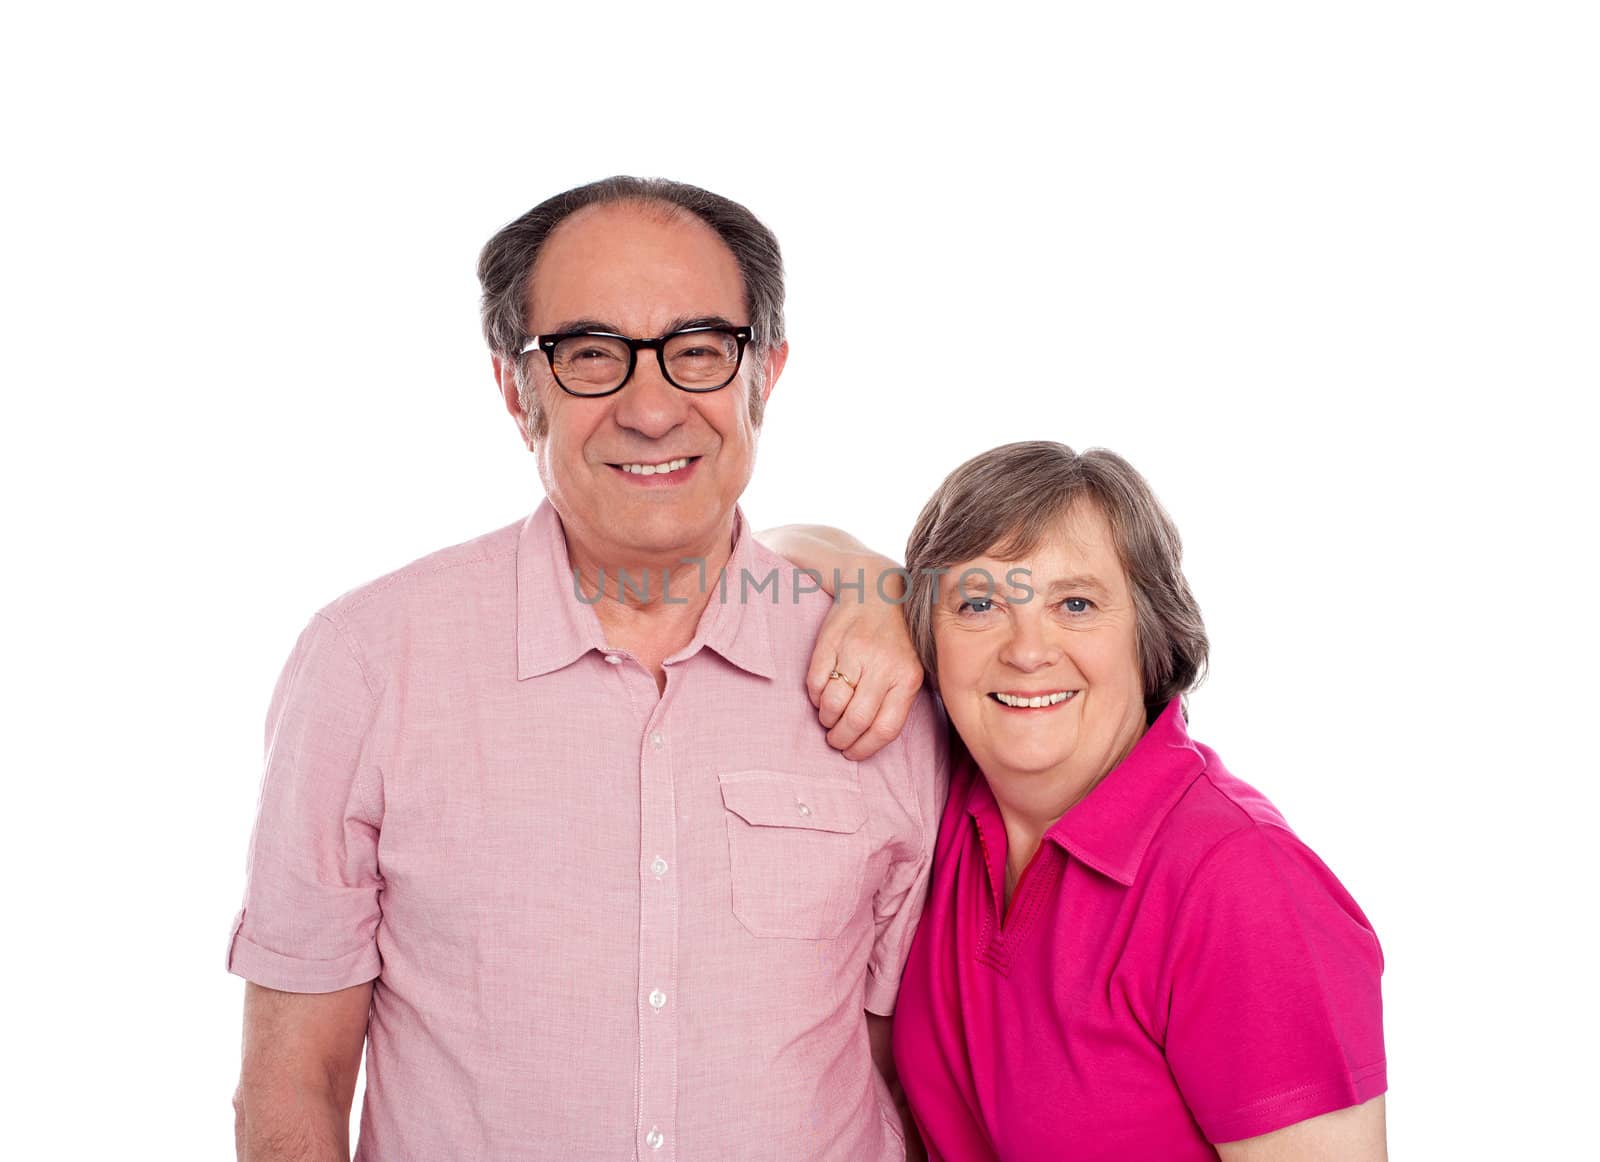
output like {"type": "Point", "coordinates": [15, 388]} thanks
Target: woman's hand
{"type": "Point", "coordinates": [867, 642]}
{"type": "Point", "coordinates": [863, 640]}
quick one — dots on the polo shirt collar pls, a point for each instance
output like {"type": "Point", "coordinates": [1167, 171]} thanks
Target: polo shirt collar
{"type": "Point", "coordinates": [555, 628]}
{"type": "Point", "coordinates": [1112, 827]}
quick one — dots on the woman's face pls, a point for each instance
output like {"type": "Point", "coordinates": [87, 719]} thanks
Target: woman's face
{"type": "Point", "coordinates": [1070, 642]}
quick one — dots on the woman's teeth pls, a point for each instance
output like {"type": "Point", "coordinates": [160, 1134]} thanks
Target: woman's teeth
{"type": "Point", "coordinates": [1042, 700]}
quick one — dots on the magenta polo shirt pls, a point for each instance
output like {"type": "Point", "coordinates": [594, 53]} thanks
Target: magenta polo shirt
{"type": "Point", "coordinates": [1176, 969]}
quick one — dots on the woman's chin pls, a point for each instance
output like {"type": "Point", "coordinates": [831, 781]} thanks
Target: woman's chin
{"type": "Point", "coordinates": [1026, 762]}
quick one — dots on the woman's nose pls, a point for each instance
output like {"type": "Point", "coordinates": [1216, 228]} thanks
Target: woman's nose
{"type": "Point", "coordinates": [1029, 647]}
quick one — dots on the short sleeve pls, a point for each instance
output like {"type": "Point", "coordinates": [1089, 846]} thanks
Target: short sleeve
{"type": "Point", "coordinates": [310, 916]}
{"type": "Point", "coordinates": [920, 784]}
{"type": "Point", "coordinates": [1275, 1012]}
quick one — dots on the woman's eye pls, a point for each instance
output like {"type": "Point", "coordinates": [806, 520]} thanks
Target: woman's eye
{"type": "Point", "coordinates": [1077, 605]}
{"type": "Point", "coordinates": [976, 605]}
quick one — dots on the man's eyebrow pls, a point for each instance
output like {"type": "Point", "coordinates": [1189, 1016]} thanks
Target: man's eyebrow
{"type": "Point", "coordinates": [684, 322]}
{"type": "Point", "coordinates": [572, 325]}
{"type": "Point", "coordinates": [681, 323]}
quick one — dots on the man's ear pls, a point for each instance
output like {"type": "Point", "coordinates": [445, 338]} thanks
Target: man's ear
{"type": "Point", "coordinates": [505, 377]}
{"type": "Point", "coordinates": [773, 367]}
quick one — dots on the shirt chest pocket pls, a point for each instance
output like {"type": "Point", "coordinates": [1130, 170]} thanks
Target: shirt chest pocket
{"type": "Point", "coordinates": [796, 849]}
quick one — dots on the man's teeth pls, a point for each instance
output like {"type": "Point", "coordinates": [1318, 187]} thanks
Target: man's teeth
{"type": "Point", "coordinates": [1041, 700]}
{"type": "Point", "coordinates": [655, 469]}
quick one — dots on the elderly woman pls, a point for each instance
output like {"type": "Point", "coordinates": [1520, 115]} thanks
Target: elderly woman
{"type": "Point", "coordinates": [1126, 953]}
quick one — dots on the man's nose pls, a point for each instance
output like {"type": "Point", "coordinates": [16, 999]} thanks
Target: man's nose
{"type": "Point", "coordinates": [647, 403]}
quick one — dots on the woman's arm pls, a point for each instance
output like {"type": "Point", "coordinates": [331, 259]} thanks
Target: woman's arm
{"type": "Point", "coordinates": [1274, 1016]}
{"type": "Point", "coordinates": [1356, 1134]}
{"type": "Point", "coordinates": [864, 637]}
{"type": "Point", "coordinates": [820, 548]}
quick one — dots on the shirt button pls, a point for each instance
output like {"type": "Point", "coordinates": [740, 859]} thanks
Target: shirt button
{"type": "Point", "coordinates": [657, 739]}
{"type": "Point", "coordinates": [658, 866]}
{"type": "Point", "coordinates": [803, 809]}
{"type": "Point", "coordinates": [614, 659]}
{"type": "Point", "coordinates": [657, 999]}
{"type": "Point", "coordinates": [655, 1139]}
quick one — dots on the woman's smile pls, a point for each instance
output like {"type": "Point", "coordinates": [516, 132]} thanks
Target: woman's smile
{"type": "Point", "coordinates": [1019, 701]}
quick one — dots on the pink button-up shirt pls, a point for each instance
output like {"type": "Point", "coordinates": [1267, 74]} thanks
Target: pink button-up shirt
{"type": "Point", "coordinates": [604, 922]}
{"type": "Point", "coordinates": [1175, 969]}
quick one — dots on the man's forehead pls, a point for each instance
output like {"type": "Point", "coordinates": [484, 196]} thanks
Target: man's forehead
{"type": "Point", "coordinates": [635, 267]}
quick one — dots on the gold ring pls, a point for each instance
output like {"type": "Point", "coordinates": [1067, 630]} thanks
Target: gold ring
{"type": "Point", "coordinates": [832, 674]}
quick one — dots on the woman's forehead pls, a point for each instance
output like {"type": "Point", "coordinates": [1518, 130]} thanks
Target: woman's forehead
{"type": "Point", "coordinates": [1080, 542]}
{"type": "Point", "coordinates": [1064, 560]}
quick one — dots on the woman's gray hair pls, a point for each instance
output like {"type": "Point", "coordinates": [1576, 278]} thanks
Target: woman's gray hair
{"type": "Point", "coordinates": [505, 267]}
{"type": "Point", "coordinates": [1004, 502]}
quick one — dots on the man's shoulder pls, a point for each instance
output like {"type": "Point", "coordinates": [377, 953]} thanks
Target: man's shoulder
{"type": "Point", "coordinates": [433, 582]}
{"type": "Point", "coordinates": [795, 608]}
{"type": "Point", "coordinates": [765, 578]}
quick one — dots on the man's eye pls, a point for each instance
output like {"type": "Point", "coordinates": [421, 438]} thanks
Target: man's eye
{"type": "Point", "coordinates": [1077, 605]}
{"type": "Point", "coordinates": [592, 353]}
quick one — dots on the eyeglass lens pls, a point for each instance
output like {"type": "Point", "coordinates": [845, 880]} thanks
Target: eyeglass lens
{"type": "Point", "coordinates": [597, 363]}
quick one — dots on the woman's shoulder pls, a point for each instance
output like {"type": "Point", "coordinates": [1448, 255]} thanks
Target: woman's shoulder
{"type": "Point", "coordinates": [1215, 808]}
{"type": "Point", "coordinates": [1269, 978]}
{"type": "Point", "coordinates": [1225, 835]}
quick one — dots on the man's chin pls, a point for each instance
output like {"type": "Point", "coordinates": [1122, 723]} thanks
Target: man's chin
{"type": "Point", "coordinates": [661, 530]}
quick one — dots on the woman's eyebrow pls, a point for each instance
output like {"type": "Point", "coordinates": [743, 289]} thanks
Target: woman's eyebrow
{"type": "Point", "coordinates": [1075, 581]}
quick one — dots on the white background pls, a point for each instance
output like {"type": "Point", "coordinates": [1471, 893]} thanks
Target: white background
{"type": "Point", "coordinates": [1327, 275]}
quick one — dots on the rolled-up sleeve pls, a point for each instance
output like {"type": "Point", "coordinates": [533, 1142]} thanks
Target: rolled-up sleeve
{"type": "Point", "coordinates": [311, 904]}
{"type": "Point", "coordinates": [921, 783]}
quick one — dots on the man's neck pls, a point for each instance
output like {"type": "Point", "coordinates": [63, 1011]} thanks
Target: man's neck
{"type": "Point", "coordinates": [649, 603]}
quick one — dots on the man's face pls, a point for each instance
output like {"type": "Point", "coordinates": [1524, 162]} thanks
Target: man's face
{"type": "Point", "coordinates": [640, 271]}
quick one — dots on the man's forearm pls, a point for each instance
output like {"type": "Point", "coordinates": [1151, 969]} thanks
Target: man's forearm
{"type": "Point", "coordinates": [302, 1057]}
{"type": "Point", "coordinates": [880, 1037]}
{"type": "Point", "coordinates": [915, 1150]}
{"type": "Point", "coordinates": [290, 1126]}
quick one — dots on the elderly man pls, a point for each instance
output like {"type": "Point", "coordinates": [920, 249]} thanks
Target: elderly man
{"type": "Point", "coordinates": [547, 822]}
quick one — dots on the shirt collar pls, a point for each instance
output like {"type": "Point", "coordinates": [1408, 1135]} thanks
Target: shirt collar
{"type": "Point", "coordinates": [736, 620]}
{"type": "Point", "coordinates": [555, 626]}
{"type": "Point", "coordinates": [1112, 827]}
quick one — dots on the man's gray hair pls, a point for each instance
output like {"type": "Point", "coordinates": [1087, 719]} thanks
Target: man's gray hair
{"type": "Point", "coordinates": [505, 268]}
{"type": "Point", "coordinates": [1005, 502]}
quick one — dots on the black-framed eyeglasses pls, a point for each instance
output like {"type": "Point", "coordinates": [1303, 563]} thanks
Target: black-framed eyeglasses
{"type": "Point", "coordinates": [594, 363]}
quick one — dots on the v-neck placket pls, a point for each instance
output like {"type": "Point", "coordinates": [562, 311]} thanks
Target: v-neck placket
{"type": "Point", "coordinates": [1005, 930]}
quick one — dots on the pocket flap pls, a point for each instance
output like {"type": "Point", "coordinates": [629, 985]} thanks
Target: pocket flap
{"type": "Point", "coordinates": [777, 799]}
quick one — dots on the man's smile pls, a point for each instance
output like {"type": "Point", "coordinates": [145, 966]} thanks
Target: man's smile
{"type": "Point", "coordinates": [678, 468]}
